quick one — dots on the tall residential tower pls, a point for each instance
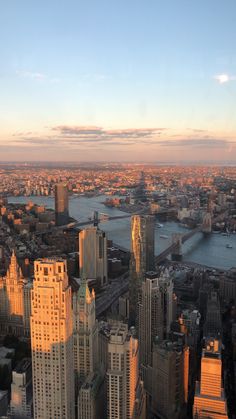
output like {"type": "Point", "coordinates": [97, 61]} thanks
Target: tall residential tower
{"type": "Point", "coordinates": [142, 256]}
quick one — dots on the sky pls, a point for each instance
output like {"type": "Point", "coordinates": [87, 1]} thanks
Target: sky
{"type": "Point", "coordinates": [118, 80]}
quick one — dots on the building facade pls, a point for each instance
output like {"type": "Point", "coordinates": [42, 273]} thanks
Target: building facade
{"type": "Point", "coordinates": [13, 297]}
{"type": "Point", "coordinates": [150, 316]}
{"type": "Point", "coordinates": [209, 399]}
{"type": "Point", "coordinates": [52, 341]}
{"type": "Point", "coordinates": [61, 204]}
{"type": "Point", "coordinates": [90, 402]}
{"type": "Point", "coordinates": [21, 405]}
{"type": "Point", "coordinates": [93, 254]}
{"type": "Point", "coordinates": [85, 333]}
{"type": "Point", "coordinates": [170, 379]}
{"type": "Point", "coordinates": [142, 256]}
{"type": "Point", "coordinates": [122, 373]}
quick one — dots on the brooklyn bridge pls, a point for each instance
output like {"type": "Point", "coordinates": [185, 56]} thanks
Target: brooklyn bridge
{"type": "Point", "coordinates": [178, 239]}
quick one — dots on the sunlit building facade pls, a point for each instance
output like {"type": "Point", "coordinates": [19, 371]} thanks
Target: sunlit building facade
{"type": "Point", "coordinates": [209, 399]}
{"type": "Point", "coordinates": [52, 341]}
{"type": "Point", "coordinates": [142, 256]}
{"type": "Point", "coordinates": [93, 254]}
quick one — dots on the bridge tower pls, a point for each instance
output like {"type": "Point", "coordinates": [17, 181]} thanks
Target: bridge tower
{"type": "Point", "coordinates": [177, 252]}
{"type": "Point", "coordinates": [206, 223]}
{"type": "Point", "coordinates": [95, 219]}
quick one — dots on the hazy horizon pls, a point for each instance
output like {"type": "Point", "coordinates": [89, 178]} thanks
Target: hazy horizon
{"type": "Point", "coordinates": [126, 82]}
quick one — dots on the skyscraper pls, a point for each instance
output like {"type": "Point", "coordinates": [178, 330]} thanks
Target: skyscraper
{"type": "Point", "coordinates": [155, 315]}
{"type": "Point", "coordinates": [21, 406]}
{"type": "Point", "coordinates": [12, 300]}
{"type": "Point", "coordinates": [209, 399]}
{"type": "Point", "coordinates": [170, 379]}
{"type": "Point", "coordinates": [150, 316]}
{"type": "Point", "coordinates": [168, 300]}
{"type": "Point", "coordinates": [85, 333]}
{"type": "Point", "coordinates": [90, 402]}
{"type": "Point", "coordinates": [52, 341]}
{"type": "Point", "coordinates": [142, 256]}
{"type": "Point", "coordinates": [93, 254]}
{"type": "Point", "coordinates": [122, 373]}
{"type": "Point", "coordinates": [61, 204]}
{"type": "Point", "coordinates": [212, 325]}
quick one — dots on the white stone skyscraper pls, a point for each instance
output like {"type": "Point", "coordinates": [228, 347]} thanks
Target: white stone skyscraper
{"type": "Point", "coordinates": [93, 254]}
{"type": "Point", "coordinates": [52, 341]}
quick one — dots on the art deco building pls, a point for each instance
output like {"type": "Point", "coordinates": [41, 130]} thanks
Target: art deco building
{"type": "Point", "coordinates": [209, 399]}
{"type": "Point", "coordinates": [52, 341]}
{"type": "Point", "coordinates": [170, 379]}
{"type": "Point", "coordinates": [85, 333]}
{"type": "Point", "coordinates": [13, 317]}
{"type": "Point", "coordinates": [122, 373]}
{"type": "Point", "coordinates": [21, 406]}
{"type": "Point", "coordinates": [61, 204]}
{"type": "Point", "coordinates": [142, 256]}
{"type": "Point", "coordinates": [93, 254]}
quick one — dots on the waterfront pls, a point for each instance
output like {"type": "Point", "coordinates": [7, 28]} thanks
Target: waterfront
{"type": "Point", "coordinates": [206, 250]}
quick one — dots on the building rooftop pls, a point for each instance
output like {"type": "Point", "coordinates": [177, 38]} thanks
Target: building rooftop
{"type": "Point", "coordinates": [23, 366]}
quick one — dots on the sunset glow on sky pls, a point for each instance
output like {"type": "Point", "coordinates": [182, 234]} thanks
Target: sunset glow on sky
{"type": "Point", "coordinates": [125, 80]}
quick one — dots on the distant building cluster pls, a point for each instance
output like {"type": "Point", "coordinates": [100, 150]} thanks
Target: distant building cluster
{"type": "Point", "coordinates": [92, 331]}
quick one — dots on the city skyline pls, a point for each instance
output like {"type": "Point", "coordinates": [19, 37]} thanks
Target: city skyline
{"type": "Point", "coordinates": [95, 82]}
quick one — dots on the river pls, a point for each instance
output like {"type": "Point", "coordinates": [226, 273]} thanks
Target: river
{"type": "Point", "coordinates": [206, 250]}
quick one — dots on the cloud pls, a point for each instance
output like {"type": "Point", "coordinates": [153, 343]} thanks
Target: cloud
{"type": "Point", "coordinates": [37, 76]}
{"type": "Point", "coordinates": [99, 133]}
{"type": "Point", "coordinates": [67, 137]}
{"type": "Point", "coordinates": [197, 143]}
{"type": "Point", "coordinates": [224, 78]}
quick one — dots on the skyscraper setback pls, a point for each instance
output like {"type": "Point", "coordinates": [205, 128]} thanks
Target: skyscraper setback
{"type": "Point", "coordinates": [52, 341]}
{"type": "Point", "coordinates": [61, 204]}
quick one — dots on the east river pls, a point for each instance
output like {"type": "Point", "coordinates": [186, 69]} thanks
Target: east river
{"type": "Point", "coordinates": [206, 250]}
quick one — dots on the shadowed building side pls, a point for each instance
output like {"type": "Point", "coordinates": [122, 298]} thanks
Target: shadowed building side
{"type": "Point", "coordinates": [61, 204]}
